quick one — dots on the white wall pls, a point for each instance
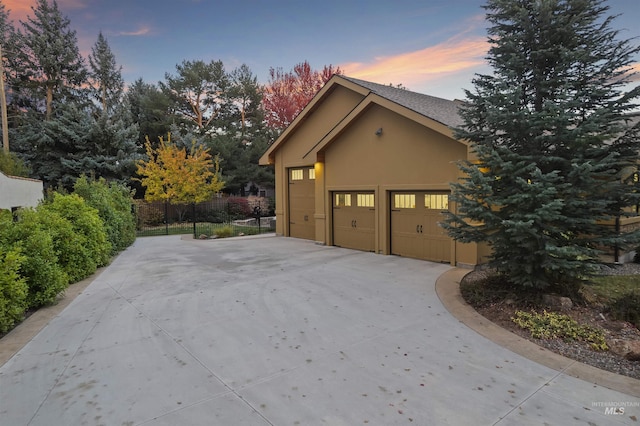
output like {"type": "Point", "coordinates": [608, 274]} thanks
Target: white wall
{"type": "Point", "coordinates": [19, 192]}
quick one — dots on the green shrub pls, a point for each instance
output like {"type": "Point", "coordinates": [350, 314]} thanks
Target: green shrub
{"type": "Point", "coordinates": [13, 288]}
{"type": "Point", "coordinates": [86, 223]}
{"type": "Point", "coordinates": [43, 274]}
{"type": "Point", "coordinates": [11, 164]}
{"type": "Point", "coordinates": [73, 255]}
{"type": "Point", "coordinates": [224, 232]}
{"type": "Point", "coordinates": [113, 203]}
{"type": "Point", "coordinates": [550, 325]}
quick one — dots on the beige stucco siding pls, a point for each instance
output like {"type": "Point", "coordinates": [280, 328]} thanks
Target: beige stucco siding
{"type": "Point", "coordinates": [317, 123]}
{"type": "Point", "coordinates": [415, 152]}
{"type": "Point", "coordinates": [406, 156]}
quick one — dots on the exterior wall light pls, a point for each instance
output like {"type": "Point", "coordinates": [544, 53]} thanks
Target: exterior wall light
{"type": "Point", "coordinates": [379, 131]}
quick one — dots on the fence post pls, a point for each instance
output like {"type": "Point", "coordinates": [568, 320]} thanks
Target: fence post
{"type": "Point", "coordinates": [193, 213]}
{"type": "Point", "coordinates": [166, 217]}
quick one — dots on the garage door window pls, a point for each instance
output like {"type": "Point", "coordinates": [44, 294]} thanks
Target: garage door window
{"type": "Point", "coordinates": [297, 174]}
{"type": "Point", "coordinates": [312, 174]}
{"type": "Point", "coordinates": [404, 201]}
{"type": "Point", "coordinates": [436, 201]}
{"type": "Point", "coordinates": [343, 200]}
{"type": "Point", "coordinates": [366, 200]}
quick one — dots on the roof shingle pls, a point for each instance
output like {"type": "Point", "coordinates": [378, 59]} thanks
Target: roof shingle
{"type": "Point", "coordinates": [442, 110]}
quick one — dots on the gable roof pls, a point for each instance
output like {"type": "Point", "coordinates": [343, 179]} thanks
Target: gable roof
{"type": "Point", "coordinates": [438, 109]}
{"type": "Point", "coordinates": [442, 111]}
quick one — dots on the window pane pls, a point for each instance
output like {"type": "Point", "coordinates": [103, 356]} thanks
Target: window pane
{"type": "Point", "coordinates": [404, 201]}
{"type": "Point", "coordinates": [366, 200]}
{"type": "Point", "coordinates": [343, 200]}
{"type": "Point", "coordinates": [312, 174]}
{"type": "Point", "coordinates": [436, 201]}
{"type": "Point", "coordinates": [297, 174]}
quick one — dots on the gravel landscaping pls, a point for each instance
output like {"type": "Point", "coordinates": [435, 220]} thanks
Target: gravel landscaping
{"type": "Point", "coordinates": [502, 311]}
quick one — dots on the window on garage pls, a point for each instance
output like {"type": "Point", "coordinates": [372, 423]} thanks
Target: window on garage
{"type": "Point", "coordinates": [436, 201]}
{"type": "Point", "coordinates": [365, 200]}
{"type": "Point", "coordinates": [297, 174]}
{"type": "Point", "coordinates": [343, 200]}
{"type": "Point", "coordinates": [404, 201]}
{"type": "Point", "coordinates": [312, 174]}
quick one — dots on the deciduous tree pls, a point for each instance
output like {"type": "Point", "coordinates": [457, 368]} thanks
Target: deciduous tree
{"type": "Point", "coordinates": [287, 93]}
{"type": "Point", "coordinates": [172, 174]}
{"type": "Point", "coordinates": [550, 132]}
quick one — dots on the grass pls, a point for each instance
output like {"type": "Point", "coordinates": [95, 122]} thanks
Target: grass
{"type": "Point", "coordinates": [202, 228]}
{"type": "Point", "coordinates": [619, 295]}
{"type": "Point", "coordinates": [605, 289]}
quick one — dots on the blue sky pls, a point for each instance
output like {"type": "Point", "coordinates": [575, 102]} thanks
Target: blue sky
{"type": "Point", "coordinates": [432, 46]}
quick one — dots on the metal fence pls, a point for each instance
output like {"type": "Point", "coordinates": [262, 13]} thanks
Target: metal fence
{"type": "Point", "coordinates": [216, 218]}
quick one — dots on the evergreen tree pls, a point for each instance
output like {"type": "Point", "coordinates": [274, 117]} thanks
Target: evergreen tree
{"type": "Point", "coordinates": [150, 110]}
{"type": "Point", "coordinates": [111, 150]}
{"type": "Point", "coordinates": [53, 66]}
{"type": "Point", "coordinates": [553, 146]}
{"type": "Point", "coordinates": [112, 142]}
{"type": "Point", "coordinates": [106, 77]}
{"type": "Point", "coordinates": [246, 96]}
{"type": "Point", "coordinates": [53, 148]}
{"type": "Point", "coordinates": [198, 93]}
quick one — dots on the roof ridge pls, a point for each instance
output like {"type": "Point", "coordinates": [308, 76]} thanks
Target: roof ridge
{"type": "Point", "coordinates": [442, 110]}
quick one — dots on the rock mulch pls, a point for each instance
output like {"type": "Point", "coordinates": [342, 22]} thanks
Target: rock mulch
{"type": "Point", "coordinates": [621, 337]}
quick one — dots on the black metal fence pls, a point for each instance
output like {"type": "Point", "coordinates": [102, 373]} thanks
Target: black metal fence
{"type": "Point", "coordinates": [216, 218]}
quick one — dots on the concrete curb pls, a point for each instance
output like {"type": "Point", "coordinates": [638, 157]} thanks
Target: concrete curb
{"type": "Point", "coordinates": [448, 290]}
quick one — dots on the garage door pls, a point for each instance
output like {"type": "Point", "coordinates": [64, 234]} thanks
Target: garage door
{"type": "Point", "coordinates": [415, 231]}
{"type": "Point", "coordinates": [302, 201]}
{"type": "Point", "coordinates": [354, 220]}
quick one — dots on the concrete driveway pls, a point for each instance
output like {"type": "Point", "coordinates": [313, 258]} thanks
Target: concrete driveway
{"type": "Point", "coordinates": [278, 331]}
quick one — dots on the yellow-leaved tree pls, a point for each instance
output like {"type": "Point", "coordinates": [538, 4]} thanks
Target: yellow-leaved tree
{"type": "Point", "coordinates": [172, 174]}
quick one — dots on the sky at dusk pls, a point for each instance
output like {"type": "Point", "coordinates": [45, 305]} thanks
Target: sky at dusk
{"type": "Point", "coordinates": [428, 46]}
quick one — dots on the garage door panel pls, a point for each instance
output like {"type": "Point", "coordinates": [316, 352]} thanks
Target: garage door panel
{"type": "Point", "coordinates": [405, 240]}
{"type": "Point", "coordinates": [302, 203]}
{"type": "Point", "coordinates": [353, 222]}
{"type": "Point", "coordinates": [415, 228]}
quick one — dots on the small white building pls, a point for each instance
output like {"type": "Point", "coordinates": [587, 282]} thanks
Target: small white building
{"type": "Point", "coordinates": [19, 192]}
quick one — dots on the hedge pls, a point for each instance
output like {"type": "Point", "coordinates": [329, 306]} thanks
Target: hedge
{"type": "Point", "coordinates": [63, 240]}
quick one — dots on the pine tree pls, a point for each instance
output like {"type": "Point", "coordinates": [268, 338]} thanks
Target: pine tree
{"type": "Point", "coordinates": [112, 142]}
{"type": "Point", "coordinates": [106, 77]}
{"type": "Point", "coordinates": [553, 145]}
{"type": "Point", "coordinates": [52, 148]}
{"type": "Point", "coordinates": [53, 65]}
{"type": "Point", "coordinates": [112, 150]}
{"type": "Point", "coordinates": [198, 93]}
{"type": "Point", "coordinates": [150, 110]}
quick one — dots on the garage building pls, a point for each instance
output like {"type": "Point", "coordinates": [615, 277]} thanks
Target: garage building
{"type": "Point", "coordinates": [369, 167]}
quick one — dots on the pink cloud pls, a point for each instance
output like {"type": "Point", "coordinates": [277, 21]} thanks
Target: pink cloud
{"type": "Point", "coordinates": [453, 56]}
{"type": "Point", "coordinates": [634, 73]}
{"type": "Point", "coordinates": [141, 31]}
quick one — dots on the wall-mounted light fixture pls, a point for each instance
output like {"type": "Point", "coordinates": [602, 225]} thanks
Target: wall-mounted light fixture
{"type": "Point", "coordinates": [379, 131]}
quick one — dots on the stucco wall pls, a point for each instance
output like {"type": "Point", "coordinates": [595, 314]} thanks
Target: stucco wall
{"type": "Point", "coordinates": [406, 156]}
{"type": "Point", "coordinates": [19, 192]}
{"type": "Point", "coordinates": [317, 124]}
